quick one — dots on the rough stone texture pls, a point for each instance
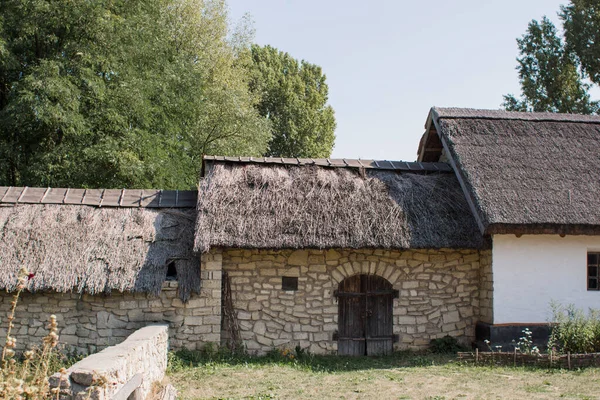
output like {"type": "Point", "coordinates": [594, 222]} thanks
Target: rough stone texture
{"type": "Point", "coordinates": [486, 288]}
{"type": "Point", "coordinates": [143, 352]}
{"type": "Point", "coordinates": [439, 294]}
{"type": "Point", "coordinates": [90, 323]}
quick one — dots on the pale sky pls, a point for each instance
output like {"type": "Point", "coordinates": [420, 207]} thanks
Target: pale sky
{"type": "Point", "coordinates": [388, 62]}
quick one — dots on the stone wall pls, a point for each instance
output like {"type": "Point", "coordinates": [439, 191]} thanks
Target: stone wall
{"type": "Point", "coordinates": [144, 352]}
{"type": "Point", "coordinates": [486, 288]}
{"type": "Point", "coordinates": [89, 323]}
{"type": "Point", "coordinates": [439, 294]}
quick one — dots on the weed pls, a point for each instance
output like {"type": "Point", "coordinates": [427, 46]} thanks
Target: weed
{"type": "Point", "coordinates": [446, 345]}
{"type": "Point", "coordinates": [28, 379]}
{"type": "Point", "coordinates": [574, 331]}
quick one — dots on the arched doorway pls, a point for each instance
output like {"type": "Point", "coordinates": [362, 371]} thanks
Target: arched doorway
{"type": "Point", "coordinates": [365, 304]}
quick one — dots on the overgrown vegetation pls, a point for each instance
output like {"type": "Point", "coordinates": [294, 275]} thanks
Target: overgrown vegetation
{"type": "Point", "coordinates": [28, 378]}
{"type": "Point", "coordinates": [299, 358]}
{"type": "Point", "coordinates": [446, 345]}
{"type": "Point", "coordinates": [575, 331]}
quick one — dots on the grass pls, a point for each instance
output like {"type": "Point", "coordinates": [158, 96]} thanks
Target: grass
{"type": "Point", "coordinates": [401, 376]}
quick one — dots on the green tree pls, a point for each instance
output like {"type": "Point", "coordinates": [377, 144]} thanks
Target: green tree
{"type": "Point", "coordinates": [293, 97]}
{"type": "Point", "coordinates": [548, 74]}
{"type": "Point", "coordinates": [122, 94]}
{"type": "Point", "coordinates": [581, 22]}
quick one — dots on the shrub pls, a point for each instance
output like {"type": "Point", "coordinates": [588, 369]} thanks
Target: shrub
{"type": "Point", "coordinates": [574, 331]}
{"type": "Point", "coordinates": [445, 345]}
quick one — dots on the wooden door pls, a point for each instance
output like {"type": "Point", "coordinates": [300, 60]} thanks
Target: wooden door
{"type": "Point", "coordinates": [365, 326]}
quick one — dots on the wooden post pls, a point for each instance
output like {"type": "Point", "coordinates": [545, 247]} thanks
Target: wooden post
{"type": "Point", "coordinates": [476, 355]}
{"type": "Point", "coordinates": [551, 357]}
{"type": "Point", "coordinates": [569, 359]}
{"type": "Point", "coordinates": [515, 358]}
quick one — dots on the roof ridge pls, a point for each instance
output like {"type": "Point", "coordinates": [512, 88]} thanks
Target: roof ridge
{"type": "Point", "coordinates": [396, 165]}
{"type": "Point", "coordinates": [120, 198]}
{"type": "Point", "coordinates": [486, 114]}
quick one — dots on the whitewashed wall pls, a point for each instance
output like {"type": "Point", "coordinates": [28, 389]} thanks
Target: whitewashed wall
{"type": "Point", "coordinates": [531, 271]}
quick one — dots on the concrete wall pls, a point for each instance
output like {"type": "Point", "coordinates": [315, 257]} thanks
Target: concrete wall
{"type": "Point", "coordinates": [90, 323]}
{"type": "Point", "coordinates": [533, 270]}
{"type": "Point", "coordinates": [143, 352]}
{"type": "Point", "coordinates": [439, 294]}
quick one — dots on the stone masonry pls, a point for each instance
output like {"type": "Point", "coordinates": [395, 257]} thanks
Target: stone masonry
{"type": "Point", "coordinates": [442, 292]}
{"type": "Point", "coordinates": [439, 294]}
{"type": "Point", "coordinates": [486, 288]}
{"type": "Point", "coordinates": [90, 323]}
{"type": "Point", "coordinates": [143, 352]}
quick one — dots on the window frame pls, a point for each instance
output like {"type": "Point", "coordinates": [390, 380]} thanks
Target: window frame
{"type": "Point", "coordinates": [289, 283]}
{"type": "Point", "coordinates": [590, 277]}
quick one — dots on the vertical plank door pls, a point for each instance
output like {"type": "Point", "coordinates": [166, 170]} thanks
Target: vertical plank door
{"type": "Point", "coordinates": [351, 318]}
{"type": "Point", "coordinates": [379, 327]}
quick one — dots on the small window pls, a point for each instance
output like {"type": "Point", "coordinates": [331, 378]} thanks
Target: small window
{"type": "Point", "coordinates": [593, 282]}
{"type": "Point", "coordinates": [289, 283]}
{"type": "Point", "coordinates": [171, 271]}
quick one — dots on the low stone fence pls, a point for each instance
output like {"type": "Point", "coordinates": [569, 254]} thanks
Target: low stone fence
{"type": "Point", "coordinates": [102, 375]}
{"type": "Point", "coordinates": [543, 360]}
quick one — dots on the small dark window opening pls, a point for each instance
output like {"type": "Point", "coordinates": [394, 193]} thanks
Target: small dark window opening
{"type": "Point", "coordinates": [171, 271]}
{"type": "Point", "coordinates": [593, 268]}
{"type": "Point", "coordinates": [289, 283]}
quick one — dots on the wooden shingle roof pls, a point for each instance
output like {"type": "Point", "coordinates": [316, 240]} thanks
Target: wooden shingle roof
{"type": "Point", "coordinates": [339, 163]}
{"type": "Point", "coordinates": [100, 197]}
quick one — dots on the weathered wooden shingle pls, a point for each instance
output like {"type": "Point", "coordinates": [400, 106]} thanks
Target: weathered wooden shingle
{"type": "Point", "coordinates": [337, 163]}
{"type": "Point", "coordinates": [100, 197]}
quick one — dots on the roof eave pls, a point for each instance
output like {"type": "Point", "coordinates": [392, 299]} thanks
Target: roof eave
{"type": "Point", "coordinates": [543, 229]}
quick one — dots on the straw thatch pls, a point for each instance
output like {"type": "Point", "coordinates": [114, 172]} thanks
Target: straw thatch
{"type": "Point", "coordinates": [97, 250]}
{"type": "Point", "coordinates": [245, 205]}
{"type": "Point", "coordinates": [527, 169]}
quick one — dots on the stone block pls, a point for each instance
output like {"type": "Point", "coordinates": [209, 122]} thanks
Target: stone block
{"type": "Point", "coordinates": [450, 317]}
{"type": "Point", "coordinates": [298, 257]}
{"type": "Point", "coordinates": [260, 328]}
{"type": "Point", "coordinates": [406, 320]}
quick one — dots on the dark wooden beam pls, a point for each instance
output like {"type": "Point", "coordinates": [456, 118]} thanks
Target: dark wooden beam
{"type": "Point", "coordinates": [543, 229]}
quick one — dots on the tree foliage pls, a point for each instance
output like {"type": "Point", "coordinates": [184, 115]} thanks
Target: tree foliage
{"type": "Point", "coordinates": [581, 21]}
{"type": "Point", "coordinates": [548, 73]}
{"type": "Point", "coordinates": [293, 97]}
{"type": "Point", "coordinates": [122, 94]}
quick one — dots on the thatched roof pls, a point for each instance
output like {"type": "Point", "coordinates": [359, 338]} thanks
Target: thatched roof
{"type": "Point", "coordinates": [277, 204]}
{"type": "Point", "coordinates": [524, 172]}
{"type": "Point", "coordinates": [94, 249]}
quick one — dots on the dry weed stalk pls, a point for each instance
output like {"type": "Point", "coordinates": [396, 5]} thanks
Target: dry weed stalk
{"type": "Point", "coordinates": [29, 380]}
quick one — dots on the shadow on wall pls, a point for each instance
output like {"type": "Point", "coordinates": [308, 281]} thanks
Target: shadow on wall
{"type": "Point", "coordinates": [172, 246]}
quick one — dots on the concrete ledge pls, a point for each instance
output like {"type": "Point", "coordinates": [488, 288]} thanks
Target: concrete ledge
{"type": "Point", "coordinates": [105, 373]}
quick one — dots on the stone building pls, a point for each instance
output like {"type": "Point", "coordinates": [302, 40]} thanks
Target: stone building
{"type": "Point", "coordinates": [303, 243]}
{"type": "Point", "coordinates": [349, 256]}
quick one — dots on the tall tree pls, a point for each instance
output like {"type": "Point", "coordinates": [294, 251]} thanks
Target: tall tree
{"type": "Point", "coordinates": [293, 97]}
{"type": "Point", "coordinates": [581, 21]}
{"type": "Point", "coordinates": [121, 94]}
{"type": "Point", "coordinates": [548, 74]}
